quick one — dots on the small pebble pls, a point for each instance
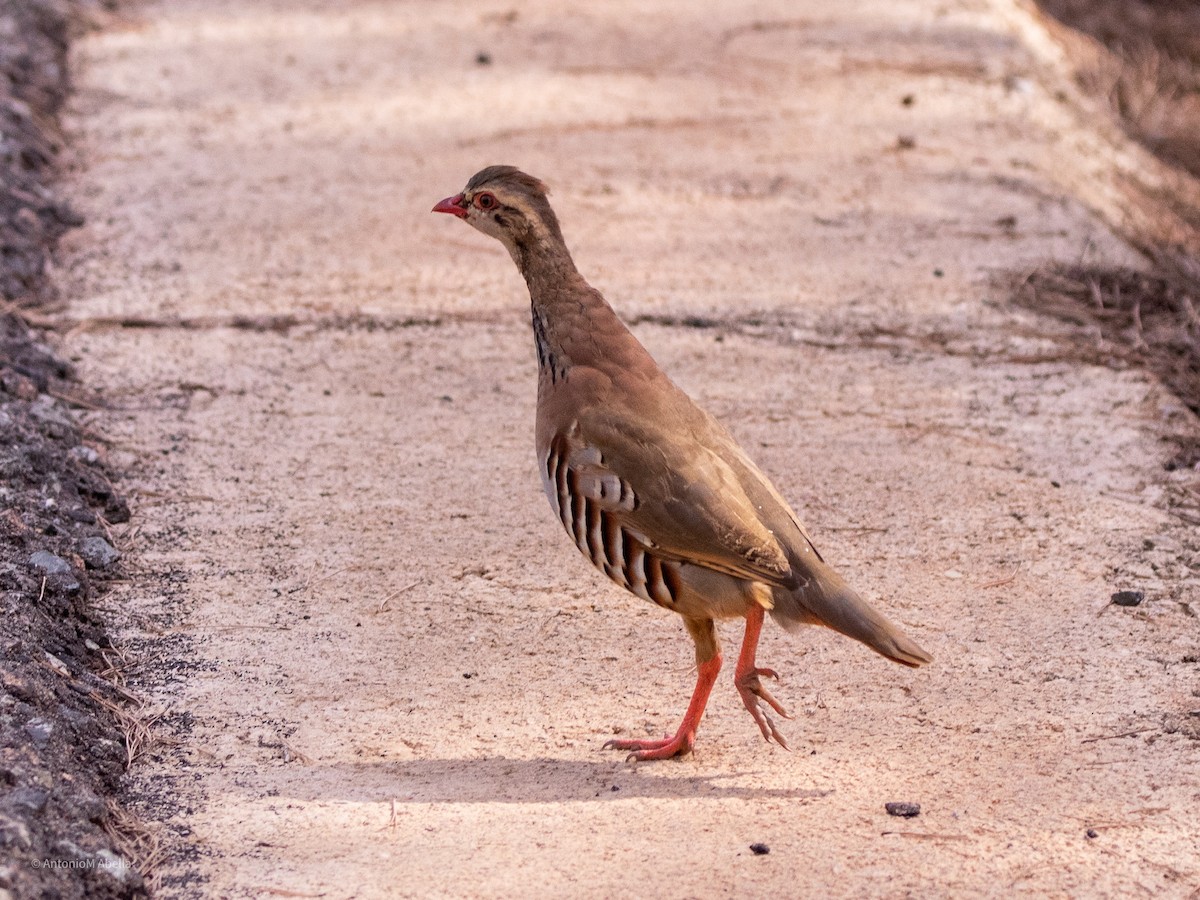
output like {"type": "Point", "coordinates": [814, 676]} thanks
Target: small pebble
{"type": "Point", "coordinates": [13, 833]}
{"type": "Point", "coordinates": [1128, 598]}
{"type": "Point", "coordinates": [39, 731]}
{"type": "Point", "coordinates": [84, 454]}
{"type": "Point", "coordinates": [1018, 85]}
{"type": "Point", "coordinates": [49, 563]}
{"type": "Point", "coordinates": [903, 808]}
{"type": "Point", "coordinates": [27, 800]}
{"type": "Point", "coordinates": [18, 385]}
{"type": "Point", "coordinates": [98, 553]}
{"type": "Point", "coordinates": [760, 849]}
{"type": "Point", "coordinates": [115, 867]}
{"type": "Point", "coordinates": [80, 514]}
{"type": "Point", "coordinates": [1091, 833]}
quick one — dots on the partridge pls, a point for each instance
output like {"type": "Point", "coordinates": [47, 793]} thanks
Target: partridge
{"type": "Point", "coordinates": [651, 488]}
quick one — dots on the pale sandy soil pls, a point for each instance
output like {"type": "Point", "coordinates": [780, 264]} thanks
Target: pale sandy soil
{"type": "Point", "coordinates": [386, 670]}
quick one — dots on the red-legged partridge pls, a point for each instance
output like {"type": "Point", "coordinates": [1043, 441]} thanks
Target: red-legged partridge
{"type": "Point", "coordinates": [652, 489]}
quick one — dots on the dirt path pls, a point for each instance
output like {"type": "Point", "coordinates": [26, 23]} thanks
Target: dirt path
{"type": "Point", "coordinates": [391, 675]}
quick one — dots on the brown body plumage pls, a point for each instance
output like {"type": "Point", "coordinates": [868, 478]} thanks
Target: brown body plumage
{"type": "Point", "coordinates": [650, 487]}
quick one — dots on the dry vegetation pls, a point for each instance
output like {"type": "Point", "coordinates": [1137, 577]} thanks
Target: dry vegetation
{"type": "Point", "coordinates": [1125, 317]}
{"type": "Point", "coordinates": [1143, 58]}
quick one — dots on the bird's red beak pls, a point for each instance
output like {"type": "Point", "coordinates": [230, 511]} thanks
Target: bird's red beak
{"type": "Point", "coordinates": [453, 205]}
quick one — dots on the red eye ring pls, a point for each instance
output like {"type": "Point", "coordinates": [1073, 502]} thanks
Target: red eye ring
{"type": "Point", "coordinates": [485, 201]}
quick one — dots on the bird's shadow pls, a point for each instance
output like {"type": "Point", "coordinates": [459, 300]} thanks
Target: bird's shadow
{"type": "Point", "coordinates": [502, 780]}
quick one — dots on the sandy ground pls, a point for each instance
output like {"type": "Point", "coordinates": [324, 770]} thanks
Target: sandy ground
{"type": "Point", "coordinates": [387, 670]}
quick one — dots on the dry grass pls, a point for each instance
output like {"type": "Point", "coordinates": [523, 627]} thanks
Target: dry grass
{"type": "Point", "coordinates": [136, 726]}
{"type": "Point", "coordinates": [1141, 59]}
{"type": "Point", "coordinates": [1144, 59]}
{"type": "Point", "coordinates": [1124, 317]}
{"type": "Point", "coordinates": [134, 718]}
{"type": "Point", "coordinates": [140, 843]}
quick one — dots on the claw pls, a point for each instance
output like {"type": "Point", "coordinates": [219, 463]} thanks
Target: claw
{"type": "Point", "coordinates": [633, 743]}
{"type": "Point", "coordinates": [754, 695]}
{"type": "Point", "coordinates": [748, 683]}
{"type": "Point", "coordinates": [678, 745]}
{"type": "Point", "coordinates": [747, 680]}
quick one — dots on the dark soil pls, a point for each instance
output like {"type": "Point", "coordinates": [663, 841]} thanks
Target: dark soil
{"type": "Point", "coordinates": [64, 742]}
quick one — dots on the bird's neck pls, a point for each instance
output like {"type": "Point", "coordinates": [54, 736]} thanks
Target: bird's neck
{"type": "Point", "coordinates": [548, 270]}
{"type": "Point", "coordinates": [572, 322]}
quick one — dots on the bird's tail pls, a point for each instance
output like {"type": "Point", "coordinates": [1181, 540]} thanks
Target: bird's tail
{"type": "Point", "coordinates": [825, 599]}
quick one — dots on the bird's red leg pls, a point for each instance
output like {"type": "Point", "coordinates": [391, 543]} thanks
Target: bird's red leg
{"type": "Point", "coordinates": [708, 666]}
{"type": "Point", "coordinates": [746, 678]}
{"type": "Point", "coordinates": [685, 737]}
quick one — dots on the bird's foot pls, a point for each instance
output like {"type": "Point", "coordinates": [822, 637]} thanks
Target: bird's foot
{"type": "Point", "coordinates": [754, 695]}
{"type": "Point", "coordinates": [679, 745]}
{"type": "Point", "coordinates": [685, 738]}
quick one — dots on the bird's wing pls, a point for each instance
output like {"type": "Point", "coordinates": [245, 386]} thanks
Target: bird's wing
{"type": "Point", "coordinates": [778, 514]}
{"type": "Point", "coordinates": [680, 497]}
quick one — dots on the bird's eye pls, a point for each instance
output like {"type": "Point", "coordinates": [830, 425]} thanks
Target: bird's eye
{"type": "Point", "coordinates": [485, 201]}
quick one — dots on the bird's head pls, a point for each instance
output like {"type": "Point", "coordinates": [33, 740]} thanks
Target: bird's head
{"type": "Point", "coordinates": [504, 202]}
